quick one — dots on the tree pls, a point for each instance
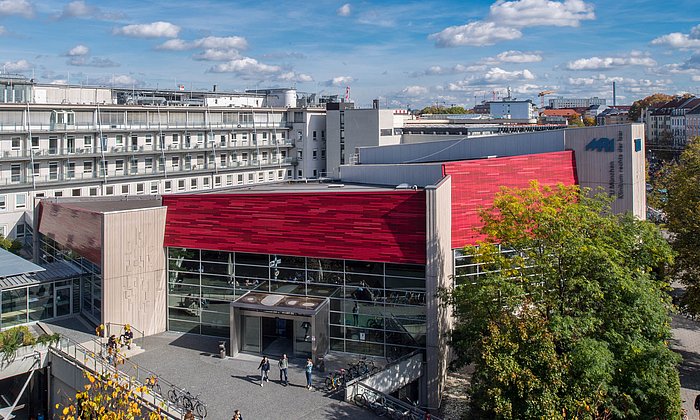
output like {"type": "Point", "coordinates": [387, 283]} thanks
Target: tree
{"type": "Point", "coordinates": [570, 321]}
{"type": "Point", "coordinates": [682, 208]}
{"type": "Point", "coordinates": [454, 110]}
{"type": "Point", "coordinates": [107, 397]}
{"type": "Point", "coordinates": [575, 120]}
{"type": "Point", "coordinates": [639, 105]}
{"type": "Point", "coordinates": [588, 121]}
{"type": "Point", "coordinates": [13, 246]}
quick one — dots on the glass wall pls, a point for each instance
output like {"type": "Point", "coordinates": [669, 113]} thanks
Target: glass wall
{"type": "Point", "coordinates": [375, 308]}
{"type": "Point", "coordinates": [37, 303]}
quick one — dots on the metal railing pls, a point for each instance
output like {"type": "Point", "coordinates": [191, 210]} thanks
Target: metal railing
{"type": "Point", "coordinates": [93, 361]}
{"type": "Point", "coordinates": [385, 405]}
{"type": "Point", "coordinates": [91, 127]}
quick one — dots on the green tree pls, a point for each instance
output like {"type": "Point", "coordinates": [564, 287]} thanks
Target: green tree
{"type": "Point", "coordinates": [682, 208]}
{"type": "Point", "coordinates": [575, 121]}
{"type": "Point", "coordinates": [13, 246]}
{"type": "Point", "coordinates": [588, 121]}
{"type": "Point", "coordinates": [570, 321]}
{"type": "Point", "coordinates": [455, 110]}
{"type": "Point", "coordinates": [639, 105]}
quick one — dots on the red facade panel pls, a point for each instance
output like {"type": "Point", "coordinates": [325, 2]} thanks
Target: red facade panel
{"type": "Point", "coordinates": [77, 229]}
{"type": "Point", "coordinates": [369, 226]}
{"type": "Point", "coordinates": [476, 182]}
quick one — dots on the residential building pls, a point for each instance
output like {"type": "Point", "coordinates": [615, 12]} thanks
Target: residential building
{"type": "Point", "coordinates": [692, 123]}
{"type": "Point", "coordinates": [557, 103]}
{"type": "Point", "coordinates": [615, 115]}
{"type": "Point", "coordinates": [678, 121]}
{"type": "Point", "coordinates": [513, 109]}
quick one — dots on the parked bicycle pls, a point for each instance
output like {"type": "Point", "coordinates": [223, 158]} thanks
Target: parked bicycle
{"type": "Point", "coordinates": [186, 400]}
{"type": "Point", "coordinates": [372, 401]}
{"type": "Point", "coordinates": [336, 380]}
{"type": "Point", "coordinates": [152, 384]}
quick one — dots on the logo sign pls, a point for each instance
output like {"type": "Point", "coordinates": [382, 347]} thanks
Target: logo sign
{"type": "Point", "coordinates": [602, 144]}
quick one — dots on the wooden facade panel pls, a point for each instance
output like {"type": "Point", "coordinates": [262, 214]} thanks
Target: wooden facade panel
{"type": "Point", "coordinates": [369, 226]}
{"type": "Point", "coordinates": [134, 269]}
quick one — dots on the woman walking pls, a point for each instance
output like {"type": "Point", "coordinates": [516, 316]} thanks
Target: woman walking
{"type": "Point", "coordinates": [309, 367]}
{"type": "Point", "coordinates": [264, 367]}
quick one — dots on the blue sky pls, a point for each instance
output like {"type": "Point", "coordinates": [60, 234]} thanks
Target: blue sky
{"type": "Point", "coordinates": [408, 54]}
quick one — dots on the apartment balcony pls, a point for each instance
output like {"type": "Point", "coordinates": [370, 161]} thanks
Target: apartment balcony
{"type": "Point", "coordinates": [153, 127]}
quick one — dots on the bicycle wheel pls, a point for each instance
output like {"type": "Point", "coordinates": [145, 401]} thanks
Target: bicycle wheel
{"type": "Point", "coordinates": [329, 383]}
{"type": "Point", "coordinates": [200, 409]}
{"type": "Point", "coordinates": [187, 403]}
{"type": "Point", "coordinates": [380, 409]}
{"type": "Point", "coordinates": [354, 371]}
{"type": "Point", "coordinates": [172, 396]}
{"type": "Point", "coordinates": [360, 400]}
{"type": "Point", "coordinates": [374, 370]}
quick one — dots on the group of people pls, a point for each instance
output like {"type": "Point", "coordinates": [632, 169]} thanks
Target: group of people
{"type": "Point", "coordinates": [236, 415]}
{"type": "Point", "coordinates": [283, 365]}
{"type": "Point", "coordinates": [114, 344]}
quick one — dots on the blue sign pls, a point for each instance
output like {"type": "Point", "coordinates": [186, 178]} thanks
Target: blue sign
{"type": "Point", "coordinates": [602, 144]}
{"type": "Point", "coordinates": [637, 145]}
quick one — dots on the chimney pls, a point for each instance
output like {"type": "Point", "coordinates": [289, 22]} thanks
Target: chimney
{"type": "Point", "coordinates": [614, 96]}
{"type": "Point", "coordinates": [214, 88]}
{"type": "Point", "coordinates": [375, 103]}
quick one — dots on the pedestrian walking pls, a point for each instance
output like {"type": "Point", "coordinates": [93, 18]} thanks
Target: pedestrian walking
{"type": "Point", "coordinates": [355, 314]}
{"type": "Point", "coordinates": [284, 364]}
{"type": "Point", "coordinates": [264, 367]}
{"type": "Point", "coordinates": [237, 415]}
{"type": "Point", "coordinates": [189, 415]}
{"type": "Point", "coordinates": [309, 367]}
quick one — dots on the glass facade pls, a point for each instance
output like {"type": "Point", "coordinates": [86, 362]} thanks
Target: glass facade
{"type": "Point", "coordinates": [38, 302]}
{"type": "Point", "coordinates": [87, 293]}
{"type": "Point", "coordinates": [375, 308]}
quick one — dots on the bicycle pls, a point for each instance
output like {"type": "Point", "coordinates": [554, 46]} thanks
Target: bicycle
{"type": "Point", "coordinates": [375, 402]}
{"type": "Point", "coordinates": [335, 380]}
{"type": "Point", "coordinates": [194, 404]}
{"type": "Point", "coordinates": [152, 384]}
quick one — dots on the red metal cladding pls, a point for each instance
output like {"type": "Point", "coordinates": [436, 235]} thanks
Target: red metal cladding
{"type": "Point", "coordinates": [476, 182]}
{"type": "Point", "coordinates": [381, 226]}
{"type": "Point", "coordinates": [74, 228]}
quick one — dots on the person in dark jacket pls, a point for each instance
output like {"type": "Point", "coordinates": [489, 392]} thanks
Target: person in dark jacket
{"type": "Point", "coordinates": [264, 367]}
{"type": "Point", "coordinates": [284, 364]}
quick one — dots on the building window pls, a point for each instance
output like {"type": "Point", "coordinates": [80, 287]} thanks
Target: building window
{"type": "Point", "coordinates": [16, 172]}
{"type": "Point", "coordinates": [148, 162]}
{"type": "Point", "coordinates": [58, 193]}
{"type": "Point", "coordinates": [93, 191]}
{"type": "Point", "coordinates": [125, 189]}
{"type": "Point", "coordinates": [3, 202]}
{"type": "Point", "coordinates": [87, 142]}
{"type": "Point", "coordinates": [70, 170]}
{"type": "Point", "coordinates": [193, 183]}
{"type": "Point", "coordinates": [181, 185]}
{"type": "Point", "coordinates": [20, 230]}
{"type": "Point", "coordinates": [240, 179]}
{"type": "Point", "coordinates": [176, 139]}
{"type": "Point", "coordinates": [134, 166]}
{"type": "Point", "coordinates": [87, 168]}
{"type": "Point", "coordinates": [16, 143]}
{"type": "Point", "coordinates": [20, 201]}
{"type": "Point", "coordinates": [161, 164]}
{"type": "Point", "coordinates": [119, 166]}
{"type": "Point", "coordinates": [53, 171]}
{"type": "Point", "coordinates": [223, 160]}
{"type": "Point", "coordinates": [35, 142]}
{"type": "Point", "coordinates": [217, 181]}
{"type": "Point", "coordinates": [314, 135]}
{"type": "Point", "coordinates": [300, 154]}
{"type": "Point", "coordinates": [154, 187]}
{"type": "Point", "coordinates": [323, 153]}
{"type": "Point", "coordinates": [176, 162]}
{"type": "Point", "coordinates": [205, 182]}
{"type": "Point", "coordinates": [139, 188]}
{"type": "Point", "coordinates": [314, 154]}
{"type": "Point", "coordinates": [315, 173]}
{"type": "Point", "coordinates": [251, 177]}
{"type": "Point", "coordinates": [36, 168]}
{"type": "Point", "coordinates": [149, 140]}
{"type": "Point", "coordinates": [75, 192]}
{"type": "Point", "coordinates": [119, 141]}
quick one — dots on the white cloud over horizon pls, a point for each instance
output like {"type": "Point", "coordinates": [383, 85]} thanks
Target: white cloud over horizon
{"type": "Point", "coordinates": [17, 8]}
{"type": "Point", "coordinates": [605, 63]}
{"type": "Point", "coordinates": [149, 30]}
{"type": "Point", "coordinates": [344, 10]}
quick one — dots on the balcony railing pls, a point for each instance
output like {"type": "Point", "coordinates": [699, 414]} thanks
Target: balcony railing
{"type": "Point", "coordinates": [154, 126]}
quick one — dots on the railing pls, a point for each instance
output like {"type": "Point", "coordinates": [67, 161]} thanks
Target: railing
{"type": "Point", "coordinates": [93, 361]}
{"type": "Point", "coordinates": [385, 405]}
{"type": "Point", "coordinates": [21, 127]}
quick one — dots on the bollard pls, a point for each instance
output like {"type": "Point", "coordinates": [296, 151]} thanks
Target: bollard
{"type": "Point", "coordinates": [222, 349]}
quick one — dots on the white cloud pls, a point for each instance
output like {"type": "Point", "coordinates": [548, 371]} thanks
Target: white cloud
{"type": "Point", "coordinates": [227, 42]}
{"type": "Point", "coordinates": [78, 50]}
{"type": "Point", "coordinates": [414, 90]}
{"type": "Point", "coordinates": [339, 81]}
{"type": "Point", "coordinates": [519, 57]}
{"type": "Point", "coordinates": [696, 78]}
{"type": "Point", "coordinates": [82, 61]}
{"type": "Point", "coordinates": [244, 66]}
{"type": "Point", "coordinates": [507, 18]}
{"type": "Point", "coordinates": [601, 83]}
{"type": "Point", "coordinates": [59, 82]}
{"type": "Point", "coordinates": [680, 40]}
{"type": "Point", "coordinates": [3, 31]}
{"type": "Point", "coordinates": [125, 80]}
{"type": "Point", "coordinates": [210, 42]}
{"type": "Point", "coordinates": [605, 63]}
{"type": "Point", "coordinates": [217, 55]}
{"type": "Point", "coordinates": [456, 69]}
{"type": "Point", "coordinates": [291, 76]}
{"type": "Point", "coordinates": [474, 34]}
{"type": "Point", "coordinates": [495, 76]}
{"type": "Point", "coordinates": [149, 30]}
{"type": "Point", "coordinates": [16, 7]}
{"type": "Point", "coordinates": [344, 10]}
{"type": "Point", "coordinates": [77, 8]}
{"type": "Point", "coordinates": [522, 13]}
{"type": "Point", "coordinates": [17, 66]}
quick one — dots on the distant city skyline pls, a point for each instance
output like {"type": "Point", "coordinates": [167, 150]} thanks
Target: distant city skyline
{"type": "Point", "coordinates": [407, 54]}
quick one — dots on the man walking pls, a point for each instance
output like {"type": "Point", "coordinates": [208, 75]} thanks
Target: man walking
{"type": "Point", "coordinates": [284, 364]}
{"type": "Point", "coordinates": [355, 314]}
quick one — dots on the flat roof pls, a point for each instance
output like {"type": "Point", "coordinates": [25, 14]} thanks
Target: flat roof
{"type": "Point", "coordinates": [58, 270]}
{"type": "Point", "coordinates": [298, 186]}
{"type": "Point", "coordinates": [100, 205]}
{"type": "Point", "coordinates": [13, 265]}
{"type": "Point", "coordinates": [260, 301]}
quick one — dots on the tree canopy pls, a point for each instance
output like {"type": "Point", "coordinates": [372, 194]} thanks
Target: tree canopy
{"type": "Point", "coordinates": [567, 319]}
{"type": "Point", "coordinates": [637, 106]}
{"type": "Point", "coordinates": [454, 110]}
{"type": "Point", "coordinates": [682, 207]}
{"type": "Point", "coordinates": [10, 245]}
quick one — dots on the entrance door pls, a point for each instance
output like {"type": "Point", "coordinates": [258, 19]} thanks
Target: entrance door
{"type": "Point", "coordinates": [62, 300]}
{"type": "Point", "coordinates": [277, 336]}
{"type": "Point", "coordinates": [251, 334]}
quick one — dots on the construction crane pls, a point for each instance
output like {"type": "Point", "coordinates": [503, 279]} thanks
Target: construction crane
{"type": "Point", "coordinates": [542, 95]}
